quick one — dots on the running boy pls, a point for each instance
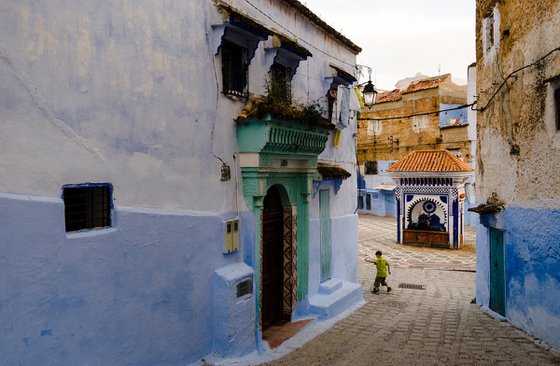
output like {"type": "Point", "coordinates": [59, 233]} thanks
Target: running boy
{"type": "Point", "coordinates": [383, 268]}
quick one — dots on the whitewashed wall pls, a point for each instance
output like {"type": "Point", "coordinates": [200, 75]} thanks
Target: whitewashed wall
{"type": "Point", "coordinates": [129, 93]}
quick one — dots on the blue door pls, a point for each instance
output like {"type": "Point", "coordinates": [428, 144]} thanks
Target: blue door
{"type": "Point", "coordinates": [497, 272]}
{"type": "Point", "coordinates": [325, 222]}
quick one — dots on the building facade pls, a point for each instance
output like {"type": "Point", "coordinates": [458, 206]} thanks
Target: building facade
{"type": "Point", "coordinates": [405, 120]}
{"type": "Point", "coordinates": [518, 88]}
{"type": "Point", "coordinates": [148, 216]}
{"type": "Point", "coordinates": [430, 191]}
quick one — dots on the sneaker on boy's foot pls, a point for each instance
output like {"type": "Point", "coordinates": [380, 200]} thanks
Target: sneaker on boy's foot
{"type": "Point", "coordinates": [388, 289]}
{"type": "Point", "coordinates": [375, 290]}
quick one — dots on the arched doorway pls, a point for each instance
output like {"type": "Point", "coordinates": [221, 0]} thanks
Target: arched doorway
{"type": "Point", "coordinates": [272, 258]}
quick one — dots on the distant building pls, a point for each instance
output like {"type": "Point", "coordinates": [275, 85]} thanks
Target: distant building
{"type": "Point", "coordinates": [518, 164]}
{"type": "Point", "coordinates": [152, 210]}
{"type": "Point", "coordinates": [405, 120]}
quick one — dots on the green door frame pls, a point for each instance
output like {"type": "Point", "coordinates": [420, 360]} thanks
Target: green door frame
{"type": "Point", "coordinates": [281, 152]}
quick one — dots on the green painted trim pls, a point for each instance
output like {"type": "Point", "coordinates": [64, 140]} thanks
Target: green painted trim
{"type": "Point", "coordinates": [297, 187]}
{"type": "Point", "coordinates": [303, 251]}
{"type": "Point", "coordinates": [272, 140]}
{"type": "Point", "coordinates": [277, 136]}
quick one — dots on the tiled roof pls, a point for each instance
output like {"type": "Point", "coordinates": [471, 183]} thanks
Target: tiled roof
{"type": "Point", "coordinates": [322, 24]}
{"type": "Point", "coordinates": [423, 84]}
{"type": "Point", "coordinates": [429, 83]}
{"type": "Point", "coordinates": [430, 161]}
{"type": "Point", "coordinates": [389, 96]}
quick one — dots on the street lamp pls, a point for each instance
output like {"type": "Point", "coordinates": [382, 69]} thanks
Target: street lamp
{"type": "Point", "coordinates": [369, 93]}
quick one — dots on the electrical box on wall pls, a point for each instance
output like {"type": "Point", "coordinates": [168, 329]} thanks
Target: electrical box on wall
{"type": "Point", "coordinates": [232, 236]}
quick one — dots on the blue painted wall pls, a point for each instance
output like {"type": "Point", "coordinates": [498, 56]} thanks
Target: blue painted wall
{"type": "Point", "coordinates": [532, 256]}
{"type": "Point", "coordinates": [137, 293]}
{"type": "Point", "coordinates": [383, 203]}
{"type": "Point", "coordinates": [460, 114]}
{"type": "Point", "coordinates": [344, 250]}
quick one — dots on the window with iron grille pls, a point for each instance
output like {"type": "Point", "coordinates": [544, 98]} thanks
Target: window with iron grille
{"type": "Point", "coordinates": [235, 67]}
{"type": "Point", "coordinates": [87, 206]}
{"type": "Point", "coordinates": [280, 84]}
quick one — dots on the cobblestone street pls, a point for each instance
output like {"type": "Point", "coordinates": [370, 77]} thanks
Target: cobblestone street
{"type": "Point", "coordinates": [437, 325]}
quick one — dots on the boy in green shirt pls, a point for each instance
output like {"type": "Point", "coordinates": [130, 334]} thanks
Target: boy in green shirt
{"type": "Point", "coordinates": [383, 268]}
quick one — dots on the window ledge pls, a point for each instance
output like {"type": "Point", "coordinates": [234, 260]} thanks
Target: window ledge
{"type": "Point", "coordinates": [86, 233]}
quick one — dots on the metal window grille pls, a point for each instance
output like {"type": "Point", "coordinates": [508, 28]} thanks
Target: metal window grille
{"type": "Point", "coordinates": [280, 88]}
{"type": "Point", "coordinates": [245, 287]}
{"type": "Point", "coordinates": [87, 207]}
{"type": "Point", "coordinates": [235, 68]}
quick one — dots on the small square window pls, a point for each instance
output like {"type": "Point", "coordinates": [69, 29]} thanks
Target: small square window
{"type": "Point", "coordinates": [489, 32]}
{"type": "Point", "coordinates": [235, 67]}
{"type": "Point", "coordinates": [87, 206]}
{"type": "Point", "coordinates": [371, 167]}
{"type": "Point", "coordinates": [374, 127]}
{"type": "Point", "coordinates": [419, 123]}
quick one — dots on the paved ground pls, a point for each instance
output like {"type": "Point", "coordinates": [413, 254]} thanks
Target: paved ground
{"type": "Point", "coordinates": [435, 326]}
{"type": "Point", "coordinates": [379, 233]}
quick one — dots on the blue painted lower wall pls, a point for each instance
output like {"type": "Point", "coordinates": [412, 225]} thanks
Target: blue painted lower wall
{"type": "Point", "coordinates": [532, 263]}
{"type": "Point", "coordinates": [344, 250]}
{"type": "Point", "coordinates": [135, 294]}
{"type": "Point", "coordinates": [377, 202]}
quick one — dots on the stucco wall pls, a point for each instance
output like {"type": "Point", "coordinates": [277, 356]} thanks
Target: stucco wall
{"type": "Point", "coordinates": [510, 161]}
{"type": "Point", "coordinates": [114, 92]}
{"type": "Point", "coordinates": [132, 294]}
{"type": "Point", "coordinates": [130, 93]}
{"type": "Point", "coordinates": [518, 159]}
{"type": "Point", "coordinates": [532, 268]}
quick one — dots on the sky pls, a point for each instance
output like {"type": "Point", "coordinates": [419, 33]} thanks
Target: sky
{"type": "Point", "coordinates": [400, 38]}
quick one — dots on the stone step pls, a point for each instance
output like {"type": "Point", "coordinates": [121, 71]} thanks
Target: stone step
{"type": "Point", "coordinates": [330, 286]}
{"type": "Point", "coordinates": [334, 298]}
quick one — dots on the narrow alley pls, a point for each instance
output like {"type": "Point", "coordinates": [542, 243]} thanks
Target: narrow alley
{"type": "Point", "coordinates": [437, 325]}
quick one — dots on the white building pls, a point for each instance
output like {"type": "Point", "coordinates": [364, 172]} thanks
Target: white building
{"type": "Point", "coordinates": [137, 208]}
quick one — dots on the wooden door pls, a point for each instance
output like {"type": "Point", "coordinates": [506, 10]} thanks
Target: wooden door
{"type": "Point", "coordinates": [497, 272]}
{"type": "Point", "coordinates": [325, 222]}
{"type": "Point", "coordinates": [272, 266]}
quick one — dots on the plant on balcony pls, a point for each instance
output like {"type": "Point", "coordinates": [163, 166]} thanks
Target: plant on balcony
{"type": "Point", "coordinates": [279, 104]}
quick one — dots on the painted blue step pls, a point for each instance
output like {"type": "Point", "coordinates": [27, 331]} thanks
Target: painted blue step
{"type": "Point", "coordinates": [330, 286]}
{"type": "Point", "coordinates": [343, 295]}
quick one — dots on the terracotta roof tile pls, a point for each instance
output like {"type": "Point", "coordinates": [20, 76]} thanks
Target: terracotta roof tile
{"type": "Point", "coordinates": [430, 161]}
{"type": "Point", "coordinates": [429, 83]}
{"type": "Point", "coordinates": [423, 84]}
{"type": "Point", "coordinates": [389, 96]}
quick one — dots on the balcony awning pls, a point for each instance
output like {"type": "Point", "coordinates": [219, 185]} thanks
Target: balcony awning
{"type": "Point", "coordinates": [385, 187]}
{"type": "Point", "coordinates": [332, 171]}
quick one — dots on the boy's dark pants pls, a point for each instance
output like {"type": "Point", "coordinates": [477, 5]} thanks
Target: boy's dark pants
{"type": "Point", "coordinates": [379, 281]}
